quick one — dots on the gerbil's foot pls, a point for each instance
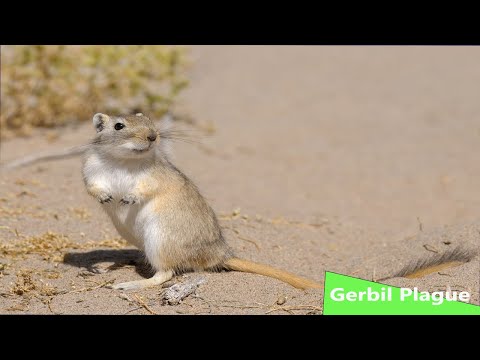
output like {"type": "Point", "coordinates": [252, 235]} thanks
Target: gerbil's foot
{"type": "Point", "coordinates": [104, 198]}
{"type": "Point", "coordinates": [157, 279]}
{"type": "Point", "coordinates": [129, 199]}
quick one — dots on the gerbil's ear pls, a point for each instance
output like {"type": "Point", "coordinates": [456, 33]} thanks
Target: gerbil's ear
{"type": "Point", "coordinates": [99, 121]}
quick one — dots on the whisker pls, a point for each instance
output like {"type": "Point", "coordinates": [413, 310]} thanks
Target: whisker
{"type": "Point", "coordinates": [180, 133]}
{"type": "Point", "coordinates": [173, 128]}
{"type": "Point", "coordinates": [187, 141]}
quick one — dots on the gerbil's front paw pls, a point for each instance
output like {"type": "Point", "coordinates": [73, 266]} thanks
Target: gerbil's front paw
{"type": "Point", "coordinates": [104, 198]}
{"type": "Point", "coordinates": [129, 199]}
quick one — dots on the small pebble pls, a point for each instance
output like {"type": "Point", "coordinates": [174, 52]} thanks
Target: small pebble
{"type": "Point", "coordinates": [282, 299]}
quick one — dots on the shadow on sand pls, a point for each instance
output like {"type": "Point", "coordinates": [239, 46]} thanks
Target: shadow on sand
{"type": "Point", "coordinates": [120, 258]}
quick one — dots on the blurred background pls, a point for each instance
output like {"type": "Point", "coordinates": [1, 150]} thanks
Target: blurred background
{"type": "Point", "coordinates": [386, 136]}
{"type": "Point", "coordinates": [53, 85]}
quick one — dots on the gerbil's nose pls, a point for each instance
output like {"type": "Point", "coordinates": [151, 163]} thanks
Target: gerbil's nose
{"type": "Point", "coordinates": [152, 137]}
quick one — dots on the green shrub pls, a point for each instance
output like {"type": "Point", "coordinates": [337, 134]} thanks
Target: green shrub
{"type": "Point", "coordinates": [48, 86]}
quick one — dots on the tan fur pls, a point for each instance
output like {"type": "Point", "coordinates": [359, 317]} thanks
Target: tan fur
{"type": "Point", "coordinates": [428, 265]}
{"type": "Point", "coordinates": [97, 193]}
{"type": "Point", "coordinates": [424, 272]}
{"type": "Point", "coordinates": [159, 181]}
{"type": "Point", "coordinates": [93, 190]}
{"type": "Point", "coordinates": [156, 207]}
{"type": "Point", "coordinates": [266, 270]}
{"type": "Point", "coordinates": [157, 279]}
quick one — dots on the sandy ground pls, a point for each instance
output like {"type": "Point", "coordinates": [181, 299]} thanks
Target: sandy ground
{"type": "Point", "coordinates": [356, 160]}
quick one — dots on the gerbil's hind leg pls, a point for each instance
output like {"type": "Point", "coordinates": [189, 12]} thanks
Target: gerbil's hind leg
{"type": "Point", "coordinates": [157, 279]}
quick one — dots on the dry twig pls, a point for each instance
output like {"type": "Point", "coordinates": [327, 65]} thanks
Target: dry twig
{"type": "Point", "coordinates": [177, 292]}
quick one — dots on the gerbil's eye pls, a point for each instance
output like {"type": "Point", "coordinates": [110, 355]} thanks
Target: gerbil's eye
{"type": "Point", "coordinates": [119, 126]}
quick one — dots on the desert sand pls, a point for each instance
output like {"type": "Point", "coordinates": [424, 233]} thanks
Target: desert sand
{"type": "Point", "coordinates": [357, 160]}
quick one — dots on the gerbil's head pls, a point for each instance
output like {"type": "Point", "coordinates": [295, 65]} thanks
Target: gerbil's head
{"type": "Point", "coordinates": [126, 136]}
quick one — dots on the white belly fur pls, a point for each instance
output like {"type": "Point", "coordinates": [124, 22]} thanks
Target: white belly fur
{"type": "Point", "coordinates": [132, 220]}
{"type": "Point", "coordinates": [127, 219]}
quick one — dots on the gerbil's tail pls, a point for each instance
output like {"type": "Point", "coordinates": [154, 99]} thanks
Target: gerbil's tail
{"type": "Point", "coordinates": [423, 267]}
{"type": "Point", "coordinates": [266, 270]}
{"type": "Point", "coordinates": [32, 159]}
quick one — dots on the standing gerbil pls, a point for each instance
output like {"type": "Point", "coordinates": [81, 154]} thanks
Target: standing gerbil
{"type": "Point", "coordinates": [155, 207]}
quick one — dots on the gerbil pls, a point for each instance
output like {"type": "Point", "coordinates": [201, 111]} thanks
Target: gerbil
{"type": "Point", "coordinates": [155, 207]}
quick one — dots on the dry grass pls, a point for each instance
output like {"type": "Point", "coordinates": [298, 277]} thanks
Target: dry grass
{"type": "Point", "coordinates": [16, 212]}
{"type": "Point", "coordinates": [52, 246]}
{"type": "Point", "coordinates": [26, 283]}
{"type": "Point", "coordinates": [280, 220]}
{"type": "Point", "coordinates": [309, 309]}
{"type": "Point", "coordinates": [138, 301]}
{"type": "Point", "coordinates": [3, 269]}
{"type": "Point", "coordinates": [33, 283]}
{"type": "Point", "coordinates": [23, 182]}
{"type": "Point", "coordinates": [12, 212]}
{"type": "Point", "coordinates": [52, 85]}
{"type": "Point", "coordinates": [237, 232]}
{"type": "Point", "coordinates": [113, 243]}
{"type": "Point", "coordinates": [81, 213]}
